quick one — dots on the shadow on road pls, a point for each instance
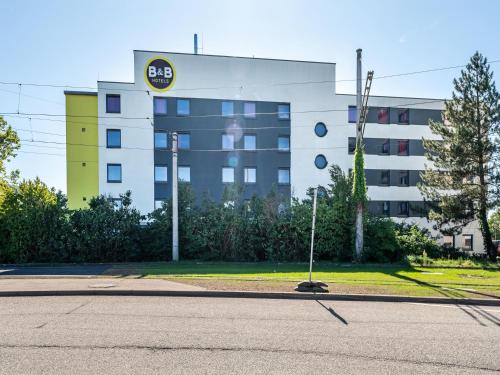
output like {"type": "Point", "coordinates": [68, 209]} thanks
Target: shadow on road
{"type": "Point", "coordinates": [332, 311]}
{"type": "Point", "coordinates": [63, 270]}
{"type": "Point", "coordinates": [457, 293]}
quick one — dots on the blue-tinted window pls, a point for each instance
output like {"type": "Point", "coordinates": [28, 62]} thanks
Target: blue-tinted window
{"type": "Point", "coordinates": [284, 143]}
{"type": "Point", "coordinates": [228, 141]}
{"type": "Point", "coordinates": [320, 162]}
{"type": "Point", "coordinates": [160, 106]}
{"type": "Point", "coordinates": [353, 114]}
{"type": "Point", "coordinates": [113, 103]}
{"type": "Point", "coordinates": [161, 173]}
{"type": "Point", "coordinates": [114, 173]}
{"type": "Point", "coordinates": [183, 141]}
{"type": "Point", "coordinates": [250, 142]}
{"type": "Point", "coordinates": [386, 147]}
{"type": "Point", "coordinates": [184, 174]}
{"type": "Point", "coordinates": [249, 110]}
{"type": "Point", "coordinates": [113, 138]}
{"type": "Point", "coordinates": [320, 129]}
{"type": "Point", "coordinates": [183, 107]}
{"type": "Point", "coordinates": [403, 208]}
{"type": "Point", "coordinates": [228, 175]}
{"type": "Point", "coordinates": [284, 176]}
{"type": "Point", "coordinates": [228, 109]}
{"type": "Point", "coordinates": [284, 111]}
{"type": "Point", "coordinates": [161, 140]}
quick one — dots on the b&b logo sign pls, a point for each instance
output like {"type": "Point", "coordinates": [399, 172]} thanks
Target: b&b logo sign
{"type": "Point", "coordinates": [159, 74]}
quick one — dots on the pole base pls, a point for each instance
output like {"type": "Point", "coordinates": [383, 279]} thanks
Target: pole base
{"type": "Point", "coordinates": [312, 287]}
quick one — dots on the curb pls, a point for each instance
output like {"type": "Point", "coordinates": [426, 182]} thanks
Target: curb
{"type": "Point", "coordinates": [263, 295]}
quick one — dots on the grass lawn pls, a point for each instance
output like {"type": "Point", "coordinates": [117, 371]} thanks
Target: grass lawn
{"type": "Point", "coordinates": [398, 279]}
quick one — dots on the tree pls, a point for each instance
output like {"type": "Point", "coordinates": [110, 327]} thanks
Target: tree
{"type": "Point", "coordinates": [33, 224]}
{"type": "Point", "coordinates": [494, 222]}
{"type": "Point", "coordinates": [359, 193]}
{"type": "Point", "coordinates": [9, 144]}
{"type": "Point", "coordinates": [463, 183]}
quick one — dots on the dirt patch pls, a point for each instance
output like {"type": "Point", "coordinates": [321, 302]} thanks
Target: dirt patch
{"type": "Point", "coordinates": [279, 286]}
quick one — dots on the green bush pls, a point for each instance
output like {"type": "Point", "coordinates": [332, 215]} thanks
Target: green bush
{"type": "Point", "coordinates": [413, 240]}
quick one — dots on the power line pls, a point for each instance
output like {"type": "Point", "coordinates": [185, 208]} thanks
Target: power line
{"type": "Point", "coordinates": [187, 150]}
{"type": "Point", "coordinates": [179, 118]}
{"type": "Point", "coordinates": [65, 86]}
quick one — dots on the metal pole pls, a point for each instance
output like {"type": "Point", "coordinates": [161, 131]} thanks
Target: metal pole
{"type": "Point", "coordinates": [195, 44]}
{"type": "Point", "coordinates": [175, 204]}
{"type": "Point", "coordinates": [359, 208]}
{"type": "Point", "coordinates": [312, 234]}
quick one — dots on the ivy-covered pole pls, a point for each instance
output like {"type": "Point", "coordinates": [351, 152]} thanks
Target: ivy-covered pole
{"type": "Point", "coordinates": [359, 194]}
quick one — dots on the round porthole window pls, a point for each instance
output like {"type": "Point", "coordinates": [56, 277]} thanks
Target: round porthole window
{"type": "Point", "coordinates": [320, 129]}
{"type": "Point", "coordinates": [320, 162]}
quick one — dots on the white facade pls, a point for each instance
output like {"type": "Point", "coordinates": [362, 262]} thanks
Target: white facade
{"type": "Point", "coordinates": [309, 87]}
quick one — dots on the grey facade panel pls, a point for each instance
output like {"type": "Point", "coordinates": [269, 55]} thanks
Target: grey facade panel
{"type": "Point", "coordinates": [373, 146]}
{"type": "Point", "coordinates": [416, 208]}
{"type": "Point", "coordinates": [205, 157]}
{"type": "Point", "coordinates": [418, 116]}
{"type": "Point", "coordinates": [374, 177]}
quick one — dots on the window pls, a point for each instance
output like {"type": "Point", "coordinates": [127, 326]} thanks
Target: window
{"type": "Point", "coordinates": [404, 178]}
{"type": "Point", "coordinates": [250, 176]}
{"type": "Point", "coordinates": [386, 147]}
{"type": "Point", "coordinates": [403, 147]}
{"type": "Point", "coordinates": [117, 203]}
{"type": "Point", "coordinates": [383, 115]}
{"type": "Point", "coordinates": [284, 111]}
{"type": "Point", "coordinates": [386, 208]}
{"type": "Point", "coordinates": [404, 116]}
{"type": "Point", "coordinates": [160, 105]}
{"type": "Point", "coordinates": [250, 142]}
{"type": "Point", "coordinates": [161, 173]}
{"type": "Point", "coordinates": [449, 241]}
{"type": "Point", "coordinates": [113, 138]}
{"type": "Point", "coordinates": [183, 107]}
{"type": "Point", "coordinates": [228, 175]}
{"type": "Point", "coordinates": [352, 114]}
{"type": "Point", "coordinates": [114, 173]}
{"type": "Point", "coordinates": [351, 145]}
{"type": "Point", "coordinates": [320, 162]}
{"type": "Point", "coordinates": [228, 141]}
{"type": "Point", "coordinates": [284, 176]}
{"type": "Point", "coordinates": [184, 174]}
{"type": "Point", "coordinates": [228, 109]}
{"type": "Point", "coordinates": [403, 208]}
{"type": "Point", "coordinates": [320, 129]}
{"type": "Point", "coordinates": [113, 103]}
{"type": "Point", "coordinates": [283, 143]}
{"type": "Point", "coordinates": [467, 242]}
{"type": "Point", "coordinates": [183, 141]}
{"type": "Point", "coordinates": [385, 177]}
{"type": "Point", "coordinates": [161, 140]}
{"type": "Point", "coordinates": [249, 110]}
{"type": "Point", "coordinates": [159, 203]}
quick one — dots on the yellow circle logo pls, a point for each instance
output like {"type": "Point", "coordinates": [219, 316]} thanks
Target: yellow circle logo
{"type": "Point", "coordinates": [159, 74]}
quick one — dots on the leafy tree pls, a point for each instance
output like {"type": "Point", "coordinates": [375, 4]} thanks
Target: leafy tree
{"type": "Point", "coordinates": [33, 224]}
{"type": "Point", "coordinates": [9, 144]}
{"type": "Point", "coordinates": [494, 222]}
{"type": "Point", "coordinates": [464, 180]}
{"type": "Point", "coordinates": [359, 194]}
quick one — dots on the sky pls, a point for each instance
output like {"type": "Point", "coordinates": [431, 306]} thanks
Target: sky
{"type": "Point", "coordinates": [79, 42]}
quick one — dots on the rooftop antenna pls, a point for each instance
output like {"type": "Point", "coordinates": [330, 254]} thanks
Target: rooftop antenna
{"type": "Point", "coordinates": [195, 44]}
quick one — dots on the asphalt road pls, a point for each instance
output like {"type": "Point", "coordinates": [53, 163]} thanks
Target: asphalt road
{"type": "Point", "coordinates": [159, 335]}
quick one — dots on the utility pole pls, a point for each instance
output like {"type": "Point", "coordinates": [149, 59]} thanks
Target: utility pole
{"type": "Point", "coordinates": [362, 114]}
{"type": "Point", "coordinates": [359, 135]}
{"type": "Point", "coordinates": [175, 203]}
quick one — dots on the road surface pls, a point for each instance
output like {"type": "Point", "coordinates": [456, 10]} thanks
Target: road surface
{"type": "Point", "coordinates": [159, 335]}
